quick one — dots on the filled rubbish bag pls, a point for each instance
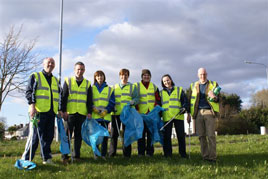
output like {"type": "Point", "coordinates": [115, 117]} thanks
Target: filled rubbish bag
{"type": "Point", "coordinates": [154, 124]}
{"type": "Point", "coordinates": [133, 124]}
{"type": "Point", "coordinates": [93, 134]}
{"type": "Point", "coordinates": [64, 144]}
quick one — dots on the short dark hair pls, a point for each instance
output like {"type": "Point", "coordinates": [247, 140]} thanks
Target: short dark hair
{"type": "Point", "coordinates": [167, 75]}
{"type": "Point", "coordinates": [145, 71]}
{"type": "Point", "coordinates": [97, 73]}
{"type": "Point", "coordinates": [124, 71]}
{"type": "Point", "coordinates": [79, 63]}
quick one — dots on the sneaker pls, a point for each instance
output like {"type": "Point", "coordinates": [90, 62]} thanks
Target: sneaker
{"type": "Point", "coordinates": [48, 162]}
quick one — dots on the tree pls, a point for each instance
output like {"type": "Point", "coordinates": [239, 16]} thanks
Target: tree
{"type": "Point", "coordinates": [230, 104]}
{"type": "Point", "coordinates": [12, 129]}
{"type": "Point", "coordinates": [16, 63]}
{"type": "Point", "coordinates": [260, 99]}
{"type": "Point", "coordinates": [2, 128]}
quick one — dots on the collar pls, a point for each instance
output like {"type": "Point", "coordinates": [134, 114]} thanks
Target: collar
{"type": "Point", "coordinates": [46, 74]}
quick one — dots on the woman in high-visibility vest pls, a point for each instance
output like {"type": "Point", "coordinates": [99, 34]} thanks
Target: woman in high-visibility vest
{"type": "Point", "coordinates": [148, 99]}
{"type": "Point", "coordinates": [125, 93]}
{"type": "Point", "coordinates": [103, 105]}
{"type": "Point", "coordinates": [173, 100]}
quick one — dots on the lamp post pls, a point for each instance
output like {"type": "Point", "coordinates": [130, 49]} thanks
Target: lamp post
{"type": "Point", "coordinates": [265, 66]}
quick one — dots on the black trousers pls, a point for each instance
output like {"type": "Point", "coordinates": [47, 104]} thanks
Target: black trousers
{"type": "Point", "coordinates": [179, 128]}
{"type": "Point", "coordinates": [105, 139]}
{"type": "Point", "coordinates": [145, 145]}
{"type": "Point", "coordinates": [116, 123]}
{"type": "Point", "coordinates": [75, 122]}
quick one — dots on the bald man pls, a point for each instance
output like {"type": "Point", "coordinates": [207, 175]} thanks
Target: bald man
{"type": "Point", "coordinates": [204, 111]}
{"type": "Point", "coordinates": [43, 95]}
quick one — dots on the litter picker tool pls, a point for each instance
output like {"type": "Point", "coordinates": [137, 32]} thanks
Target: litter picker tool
{"type": "Point", "coordinates": [189, 134]}
{"type": "Point", "coordinates": [118, 129]}
{"type": "Point", "coordinates": [28, 164]}
{"type": "Point", "coordinates": [41, 147]}
{"type": "Point", "coordinates": [182, 110]}
{"type": "Point", "coordinates": [70, 142]}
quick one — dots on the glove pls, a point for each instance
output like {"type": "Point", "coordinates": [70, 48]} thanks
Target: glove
{"type": "Point", "coordinates": [35, 121]}
{"type": "Point", "coordinates": [132, 102]}
{"type": "Point", "coordinates": [96, 110]}
{"type": "Point", "coordinates": [103, 113]}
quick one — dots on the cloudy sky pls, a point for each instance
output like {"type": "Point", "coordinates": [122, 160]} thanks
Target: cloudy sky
{"type": "Point", "coordinates": [165, 36]}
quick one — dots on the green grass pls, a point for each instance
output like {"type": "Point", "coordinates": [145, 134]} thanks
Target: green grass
{"type": "Point", "coordinates": [239, 156]}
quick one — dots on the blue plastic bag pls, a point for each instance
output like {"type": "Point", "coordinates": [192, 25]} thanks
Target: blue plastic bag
{"type": "Point", "coordinates": [64, 144]}
{"type": "Point", "coordinates": [24, 164]}
{"type": "Point", "coordinates": [93, 134]}
{"type": "Point", "coordinates": [134, 125]}
{"type": "Point", "coordinates": [154, 124]}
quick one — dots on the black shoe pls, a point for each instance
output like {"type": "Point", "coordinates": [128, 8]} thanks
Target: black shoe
{"type": "Point", "coordinates": [65, 161]}
{"type": "Point", "coordinates": [185, 156]}
{"type": "Point", "coordinates": [167, 156]}
{"type": "Point", "coordinates": [210, 160]}
{"type": "Point", "coordinates": [112, 155]}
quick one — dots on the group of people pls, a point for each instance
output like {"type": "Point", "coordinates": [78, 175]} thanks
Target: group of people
{"type": "Point", "coordinates": [79, 100]}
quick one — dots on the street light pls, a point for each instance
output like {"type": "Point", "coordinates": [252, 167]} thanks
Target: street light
{"type": "Point", "coordinates": [265, 66]}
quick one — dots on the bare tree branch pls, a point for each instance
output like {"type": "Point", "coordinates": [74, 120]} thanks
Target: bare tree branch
{"type": "Point", "coordinates": [17, 62]}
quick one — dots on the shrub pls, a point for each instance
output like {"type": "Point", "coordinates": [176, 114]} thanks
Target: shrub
{"type": "Point", "coordinates": [235, 125]}
{"type": "Point", "coordinates": [257, 116]}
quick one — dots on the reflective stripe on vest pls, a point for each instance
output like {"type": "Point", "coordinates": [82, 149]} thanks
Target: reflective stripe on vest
{"type": "Point", "coordinates": [171, 103]}
{"type": "Point", "coordinates": [43, 94]}
{"type": "Point", "coordinates": [147, 97]}
{"type": "Point", "coordinates": [122, 96]}
{"type": "Point", "coordinates": [77, 99]}
{"type": "Point", "coordinates": [101, 100]}
{"type": "Point", "coordinates": [214, 106]}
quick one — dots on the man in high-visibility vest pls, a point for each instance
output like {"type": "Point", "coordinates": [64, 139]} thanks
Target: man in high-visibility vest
{"type": "Point", "coordinates": [43, 95]}
{"type": "Point", "coordinates": [76, 106]}
{"type": "Point", "coordinates": [204, 108]}
{"type": "Point", "coordinates": [148, 99]}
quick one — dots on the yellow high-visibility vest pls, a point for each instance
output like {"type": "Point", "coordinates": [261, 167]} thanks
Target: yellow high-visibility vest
{"type": "Point", "coordinates": [77, 99]}
{"type": "Point", "coordinates": [171, 103]}
{"type": "Point", "coordinates": [211, 84]}
{"type": "Point", "coordinates": [101, 100]}
{"type": "Point", "coordinates": [147, 97]}
{"type": "Point", "coordinates": [122, 96]}
{"type": "Point", "coordinates": [43, 94]}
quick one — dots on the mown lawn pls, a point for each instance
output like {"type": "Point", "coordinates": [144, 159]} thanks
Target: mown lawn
{"type": "Point", "coordinates": [239, 156]}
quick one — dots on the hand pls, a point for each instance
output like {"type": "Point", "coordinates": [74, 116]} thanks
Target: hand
{"type": "Point", "coordinates": [96, 110]}
{"type": "Point", "coordinates": [60, 114]}
{"type": "Point", "coordinates": [65, 116]}
{"type": "Point", "coordinates": [103, 113]}
{"type": "Point", "coordinates": [211, 94]}
{"type": "Point", "coordinates": [132, 102]}
{"type": "Point", "coordinates": [189, 118]}
{"type": "Point", "coordinates": [89, 116]}
{"type": "Point", "coordinates": [33, 111]}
